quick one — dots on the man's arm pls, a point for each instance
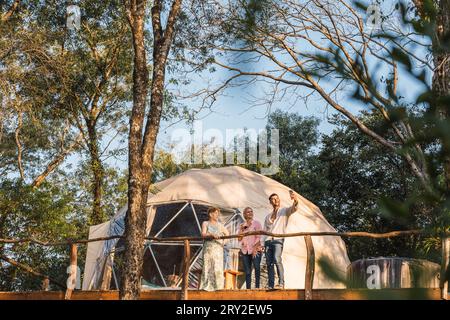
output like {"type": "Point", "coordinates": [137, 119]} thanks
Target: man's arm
{"type": "Point", "coordinates": [294, 207]}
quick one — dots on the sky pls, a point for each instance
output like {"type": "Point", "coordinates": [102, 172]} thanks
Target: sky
{"type": "Point", "coordinates": [236, 107]}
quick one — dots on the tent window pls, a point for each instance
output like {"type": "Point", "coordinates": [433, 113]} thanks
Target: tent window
{"type": "Point", "coordinates": [183, 225]}
{"type": "Point", "coordinates": [163, 215]}
{"type": "Point", "coordinates": [169, 259]}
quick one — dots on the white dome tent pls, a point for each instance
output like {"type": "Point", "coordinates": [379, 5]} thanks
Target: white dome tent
{"type": "Point", "coordinates": [177, 206]}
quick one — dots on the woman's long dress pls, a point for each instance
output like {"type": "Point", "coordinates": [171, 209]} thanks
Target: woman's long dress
{"type": "Point", "coordinates": [212, 275]}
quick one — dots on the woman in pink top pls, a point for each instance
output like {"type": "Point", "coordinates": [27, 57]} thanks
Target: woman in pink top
{"type": "Point", "coordinates": [251, 248]}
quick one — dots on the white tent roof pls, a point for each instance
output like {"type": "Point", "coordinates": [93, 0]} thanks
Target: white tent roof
{"type": "Point", "coordinates": [228, 187]}
{"type": "Point", "coordinates": [236, 187]}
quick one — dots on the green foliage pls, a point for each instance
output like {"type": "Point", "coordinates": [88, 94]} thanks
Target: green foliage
{"type": "Point", "coordinates": [57, 210]}
{"type": "Point", "coordinates": [164, 166]}
{"type": "Point", "coordinates": [347, 174]}
{"type": "Point", "coordinates": [45, 213]}
{"type": "Point", "coordinates": [115, 186]}
{"type": "Point", "coordinates": [368, 189]}
{"type": "Point", "coordinates": [299, 137]}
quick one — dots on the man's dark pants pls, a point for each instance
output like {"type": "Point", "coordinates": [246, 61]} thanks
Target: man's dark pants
{"type": "Point", "coordinates": [274, 248]}
{"type": "Point", "coordinates": [248, 261]}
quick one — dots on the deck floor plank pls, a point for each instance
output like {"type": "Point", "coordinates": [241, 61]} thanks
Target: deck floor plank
{"type": "Point", "coordinates": [287, 294]}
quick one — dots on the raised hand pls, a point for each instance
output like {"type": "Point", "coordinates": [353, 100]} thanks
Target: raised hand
{"type": "Point", "coordinates": [294, 199]}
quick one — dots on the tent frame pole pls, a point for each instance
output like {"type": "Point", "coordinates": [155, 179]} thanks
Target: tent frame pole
{"type": "Point", "coordinates": [173, 218]}
{"type": "Point", "coordinates": [195, 215]}
{"type": "Point", "coordinates": [157, 265]}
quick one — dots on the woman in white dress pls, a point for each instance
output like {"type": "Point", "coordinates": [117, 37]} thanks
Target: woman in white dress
{"type": "Point", "coordinates": [212, 275]}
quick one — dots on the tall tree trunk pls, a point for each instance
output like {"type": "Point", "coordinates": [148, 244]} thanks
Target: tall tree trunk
{"type": "Point", "coordinates": [441, 59]}
{"type": "Point", "coordinates": [441, 76]}
{"type": "Point", "coordinates": [98, 173]}
{"type": "Point", "coordinates": [142, 146]}
{"type": "Point", "coordinates": [135, 219]}
{"type": "Point", "coordinates": [2, 231]}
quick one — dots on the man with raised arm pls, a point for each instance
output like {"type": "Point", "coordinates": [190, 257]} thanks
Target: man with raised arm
{"type": "Point", "coordinates": [276, 222]}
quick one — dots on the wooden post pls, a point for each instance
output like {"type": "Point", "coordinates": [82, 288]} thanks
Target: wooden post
{"type": "Point", "coordinates": [46, 284]}
{"type": "Point", "coordinates": [186, 260]}
{"type": "Point", "coordinates": [107, 272]}
{"type": "Point", "coordinates": [71, 281]}
{"type": "Point", "coordinates": [310, 265]}
{"type": "Point", "coordinates": [443, 283]}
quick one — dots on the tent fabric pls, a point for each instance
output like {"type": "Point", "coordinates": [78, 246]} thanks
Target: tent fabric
{"type": "Point", "coordinates": [229, 187]}
{"type": "Point", "coordinates": [326, 247]}
{"type": "Point", "coordinates": [94, 254]}
{"type": "Point", "coordinates": [236, 188]}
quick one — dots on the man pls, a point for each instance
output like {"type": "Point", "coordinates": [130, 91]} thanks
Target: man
{"type": "Point", "coordinates": [251, 248]}
{"type": "Point", "coordinates": [276, 222]}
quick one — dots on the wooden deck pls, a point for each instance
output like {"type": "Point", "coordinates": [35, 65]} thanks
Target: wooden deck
{"type": "Point", "coordinates": [288, 294]}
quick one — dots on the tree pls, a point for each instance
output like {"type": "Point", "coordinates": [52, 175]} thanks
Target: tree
{"type": "Point", "coordinates": [320, 48]}
{"type": "Point", "coordinates": [435, 21]}
{"type": "Point", "coordinates": [354, 182]}
{"type": "Point", "coordinates": [363, 185]}
{"type": "Point", "coordinates": [299, 137]}
{"type": "Point", "coordinates": [45, 213]}
{"type": "Point", "coordinates": [141, 143]}
{"type": "Point", "coordinates": [74, 79]}
{"type": "Point", "coordinates": [31, 129]}
{"type": "Point", "coordinates": [99, 57]}
{"type": "Point", "coordinates": [61, 92]}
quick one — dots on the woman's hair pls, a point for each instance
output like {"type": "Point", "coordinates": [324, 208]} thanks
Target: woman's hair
{"type": "Point", "coordinates": [213, 209]}
{"type": "Point", "coordinates": [245, 209]}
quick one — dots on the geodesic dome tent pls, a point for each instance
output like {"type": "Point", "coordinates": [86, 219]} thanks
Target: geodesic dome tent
{"type": "Point", "coordinates": [177, 207]}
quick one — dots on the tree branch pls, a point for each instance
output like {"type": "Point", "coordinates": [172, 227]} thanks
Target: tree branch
{"type": "Point", "coordinates": [7, 15]}
{"type": "Point", "coordinates": [18, 143]}
{"type": "Point", "coordinates": [30, 270]}
{"type": "Point", "coordinates": [56, 162]}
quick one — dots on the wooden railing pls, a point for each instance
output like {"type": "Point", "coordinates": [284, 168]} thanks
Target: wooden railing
{"type": "Point", "coordinates": [264, 233]}
{"type": "Point", "coordinates": [310, 260]}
